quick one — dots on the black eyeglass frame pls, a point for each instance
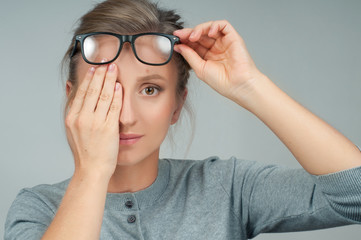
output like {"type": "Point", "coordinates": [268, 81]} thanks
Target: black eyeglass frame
{"type": "Point", "coordinates": [123, 39]}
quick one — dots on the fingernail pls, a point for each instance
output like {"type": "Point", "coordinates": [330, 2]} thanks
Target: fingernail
{"type": "Point", "coordinates": [193, 34]}
{"type": "Point", "coordinates": [92, 69]}
{"type": "Point", "coordinates": [117, 86]}
{"type": "Point", "coordinates": [111, 67]}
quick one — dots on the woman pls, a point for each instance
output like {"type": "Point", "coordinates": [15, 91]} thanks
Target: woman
{"type": "Point", "coordinates": [122, 100]}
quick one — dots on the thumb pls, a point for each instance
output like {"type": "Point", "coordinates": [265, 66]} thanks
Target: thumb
{"type": "Point", "coordinates": [194, 60]}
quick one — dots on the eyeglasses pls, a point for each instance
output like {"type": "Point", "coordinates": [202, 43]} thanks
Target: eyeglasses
{"type": "Point", "coordinates": [149, 48]}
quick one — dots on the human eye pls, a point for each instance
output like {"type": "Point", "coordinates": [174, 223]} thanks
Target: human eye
{"type": "Point", "coordinates": [150, 91]}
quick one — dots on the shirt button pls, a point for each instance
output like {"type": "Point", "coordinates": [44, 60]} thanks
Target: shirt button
{"type": "Point", "coordinates": [129, 204]}
{"type": "Point", "coordinates": [131, 219]}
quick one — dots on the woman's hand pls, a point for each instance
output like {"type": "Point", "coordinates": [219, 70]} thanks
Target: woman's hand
{"type": "Point", "coordinates": [219, 57]}
{"type": "Point", "coordinates": [92, 123]}
{"type": "Point", "coordinates": [92, 128]}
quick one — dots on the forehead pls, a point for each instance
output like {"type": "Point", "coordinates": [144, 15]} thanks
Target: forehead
{"type": "Point", "coordinates": [130, 70]}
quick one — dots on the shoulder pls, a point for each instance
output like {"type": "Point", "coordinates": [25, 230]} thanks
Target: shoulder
{"type": "Point", "coordinates": [214, 176]}
{"type": "Point", "coordinates": [189, 166]}
{"type": "Point", "coordinates": [46, 195]}
{"type": "Point", "coordinates": [33, 209]}
{"type": "Point", "coordinates": [48, 190]}
{"type": "Point", "coordinates": [213, 169]}
{"type": "Point", "coordinates": [216, 165]}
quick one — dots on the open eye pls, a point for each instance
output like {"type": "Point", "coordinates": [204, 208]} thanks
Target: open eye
{"type": "Point", "coordinates": [150, 91]}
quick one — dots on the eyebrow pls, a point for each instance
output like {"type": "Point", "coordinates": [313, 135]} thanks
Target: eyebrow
{"type": "Point", "coordinates": [151, 77]}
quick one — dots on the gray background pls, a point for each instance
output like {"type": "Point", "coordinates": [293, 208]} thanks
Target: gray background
{"type": "Point", "coordinates": [311, 49]}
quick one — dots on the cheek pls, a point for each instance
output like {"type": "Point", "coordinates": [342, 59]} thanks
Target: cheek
{"type": "Point", "coordinates": [158, 114]}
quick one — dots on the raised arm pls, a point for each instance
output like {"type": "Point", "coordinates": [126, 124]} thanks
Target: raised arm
{"type": "Point", "coordinates": [219, 57]}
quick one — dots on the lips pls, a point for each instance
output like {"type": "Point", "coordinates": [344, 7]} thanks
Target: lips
{"type": "Point", "coordinates": [129, 138]}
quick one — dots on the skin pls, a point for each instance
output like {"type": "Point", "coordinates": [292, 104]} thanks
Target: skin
{"type": "Point", "coordinates": [112, 100]}
{"type": "Point", "coordinates": [219, 57]}
{"type": "Point", "coordinates": [147, 115]}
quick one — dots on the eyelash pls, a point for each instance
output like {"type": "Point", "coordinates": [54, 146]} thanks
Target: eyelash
{"type": "Point", "coordinates": [156, 90]}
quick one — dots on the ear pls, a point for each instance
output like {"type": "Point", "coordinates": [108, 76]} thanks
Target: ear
{"type": "Point", "coordinates": [178, 110]}
{"type": "Point", "coordinates": [69, 86]}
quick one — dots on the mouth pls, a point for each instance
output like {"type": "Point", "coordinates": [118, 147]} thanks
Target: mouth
{"type": "Point", "coordinates": [129, 139]}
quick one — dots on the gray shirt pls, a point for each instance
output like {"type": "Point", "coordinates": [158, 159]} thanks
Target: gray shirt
{"type": "Point", "coordinates": [207, 199]}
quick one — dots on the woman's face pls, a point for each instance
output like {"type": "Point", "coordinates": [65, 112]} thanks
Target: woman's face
{"type": "Point", "coordinates": [149, 105]}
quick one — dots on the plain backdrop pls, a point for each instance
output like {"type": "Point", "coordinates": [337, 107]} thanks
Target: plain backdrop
{"type": "Point", "coordinates": [311, 49]}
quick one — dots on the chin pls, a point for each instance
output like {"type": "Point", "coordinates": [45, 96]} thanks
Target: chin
{"type": "Point", "coordinates": [132, 158]}
{"type": "Point", "coordinates": [127, 161]}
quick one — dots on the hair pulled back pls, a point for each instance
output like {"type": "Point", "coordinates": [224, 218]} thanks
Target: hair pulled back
{"type": "Point", "coordinates": [125, 17]}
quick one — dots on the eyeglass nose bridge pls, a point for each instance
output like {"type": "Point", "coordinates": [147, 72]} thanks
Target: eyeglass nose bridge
{"type": "Point", "coordinates": [126, 38]}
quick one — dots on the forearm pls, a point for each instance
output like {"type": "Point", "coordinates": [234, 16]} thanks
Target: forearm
{"type": "Point", "coordinates": [81, 211]}
{"type": "Point", "coordinates": [318, 147]}
{"type": "Point", "coordinates": [219, 57]}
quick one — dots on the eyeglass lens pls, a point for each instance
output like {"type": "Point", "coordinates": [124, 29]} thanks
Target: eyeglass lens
{"type": "Point", "coordinates": [153, 49]}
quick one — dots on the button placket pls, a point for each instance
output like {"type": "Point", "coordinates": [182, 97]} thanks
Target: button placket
{"type": "Point", "coordinates": [130, 205]}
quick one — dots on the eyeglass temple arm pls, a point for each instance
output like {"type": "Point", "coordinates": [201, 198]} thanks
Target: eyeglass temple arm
{"type": "Point", "coordinates": [74, 49]}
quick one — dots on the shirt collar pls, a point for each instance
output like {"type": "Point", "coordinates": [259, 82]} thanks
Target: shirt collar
{"type": "Point", "coordinates": [144, 198]}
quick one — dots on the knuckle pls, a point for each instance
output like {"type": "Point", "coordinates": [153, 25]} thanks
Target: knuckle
{"type": "Point", "coordinates": [78, 123]}
{"type": "Point", "coordinates": [92, 91]}
{"type": "Point", "coordinates": [81, 121]}
{"type": "Point", "coordinates": [114, 107]}
{"type": "Point", "coordinates": [80, 93]}
{"type": "Point", "coordinates": [69, 120]}
{"type": "Point", "coordinates": [104, 96]}
{"type": "Point", "coordinates": [221, 22]}
{"type": "Point", "coordinates": [99, 73]}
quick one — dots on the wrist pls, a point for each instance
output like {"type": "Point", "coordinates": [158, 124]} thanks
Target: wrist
{"type": "Point", "coordinates": [249, 94]}
{"type": "Point", "coordinates": [91, 177]}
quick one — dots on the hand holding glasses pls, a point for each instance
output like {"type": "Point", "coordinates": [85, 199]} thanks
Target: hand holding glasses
{"type": "Point", "coordinates": [149, 48]}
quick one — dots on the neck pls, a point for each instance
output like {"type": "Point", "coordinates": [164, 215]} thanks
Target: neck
{"type": "Point", "coordinates": [133, 178]}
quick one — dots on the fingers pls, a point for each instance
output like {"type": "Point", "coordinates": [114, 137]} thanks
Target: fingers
{"type": "Point", "coordinates": [185, 38]}
{"type": "Point", "coordinates": [116, 105]}
{"type": "Point", "coordinates": [193, 58]}
{"type": "Point", "coordinates": [106, 95]}
{"type": "Point", "coordinates": [207, 41]}
{"type": "Point", "coordinates": [213, 29]}
{"type": "Point", "coordinates": [78, 100]}
{"type": "Point", "coordinates": [94, 89]}
{"type": "Point", "coordinates": [208, 34]}
{"type": "Point", "coordinates": [96, 94]}
{"type": "Point", "coordinates": [205, 32]}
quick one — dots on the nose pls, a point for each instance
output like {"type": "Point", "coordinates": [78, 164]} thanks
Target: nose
{"type": "Point", "coordinates": [127, 116]}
